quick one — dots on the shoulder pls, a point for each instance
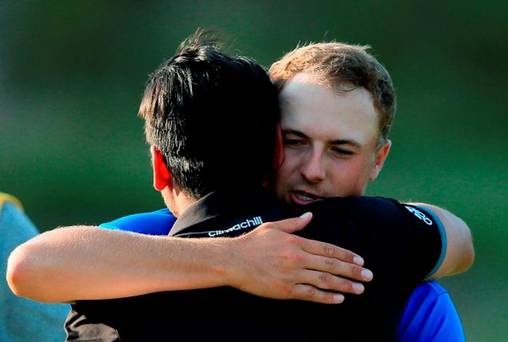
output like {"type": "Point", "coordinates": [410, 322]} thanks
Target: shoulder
{"type": "Point", "coordinates": [430, 315]}
{"type": "Point", "coordinates": [157, 222]}
{"type": "Point", "coordinates": [361, 209]}
{"type": "Point", "coordinates": [428, 291]}
{"type": "Point", "coordinates": [370, 203]}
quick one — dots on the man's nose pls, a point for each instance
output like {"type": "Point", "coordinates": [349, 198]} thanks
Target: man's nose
{"type": "Point", "coordinates": [313, 169]}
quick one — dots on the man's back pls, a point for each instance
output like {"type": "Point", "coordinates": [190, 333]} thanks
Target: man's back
{"type": "Point", "coordinates": [429, 314]}
{"type": "Point", "coordinates": [221, 313]}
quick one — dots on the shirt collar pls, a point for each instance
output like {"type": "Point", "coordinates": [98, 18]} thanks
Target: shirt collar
{"type": "Point", "coordinates": [218, 202]}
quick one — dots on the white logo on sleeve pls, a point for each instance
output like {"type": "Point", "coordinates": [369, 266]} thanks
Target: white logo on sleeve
{"type": "Point", "coordinates": [419, 214]}
{"type": "Point", "coordinates": [252, 222]}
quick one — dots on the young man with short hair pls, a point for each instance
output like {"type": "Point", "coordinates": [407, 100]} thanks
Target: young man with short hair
{"type": "Point", "coordinates": [338, 105]}
{"type": "Point", "coordinates": [181, 197]}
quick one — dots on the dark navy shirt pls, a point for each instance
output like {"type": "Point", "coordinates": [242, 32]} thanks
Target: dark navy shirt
{"type": "Point", "coordinates": [400, 243]}
{"type": "Point", "coordinates": [429, 315]}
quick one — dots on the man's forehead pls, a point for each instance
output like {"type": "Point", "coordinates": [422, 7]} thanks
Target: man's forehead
{"type": "Point", "coordinates": [320, 111]}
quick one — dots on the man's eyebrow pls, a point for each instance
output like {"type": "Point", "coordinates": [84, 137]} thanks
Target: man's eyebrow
{"type": "Point", "coordinates": [351, 142]}
{"type": "Point", "coordinates": [292, 131]}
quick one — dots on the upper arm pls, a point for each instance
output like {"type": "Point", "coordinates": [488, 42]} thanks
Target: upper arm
{"type": "Point", "coordinates": [398, 241]}
{"type": "Point", "coordinates": [424, 241]}
{"type": "Point", "coordinates": [458, 253]}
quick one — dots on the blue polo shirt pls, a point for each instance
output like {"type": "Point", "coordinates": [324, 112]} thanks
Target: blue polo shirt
{"type": "Point", "coordinates": [429, 315]}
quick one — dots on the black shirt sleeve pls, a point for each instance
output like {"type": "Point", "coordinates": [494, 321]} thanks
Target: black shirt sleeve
{"type": "Point", "coordinates": [408, 240]}
{"type": "Point", "coordinates": [398, 241]}
{"type": "Point", "coordinates": [433, 223]}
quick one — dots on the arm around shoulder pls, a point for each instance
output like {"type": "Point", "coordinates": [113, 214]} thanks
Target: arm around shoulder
{"type": "Point", "coordinates": [459, 253]}
{"type": "Point", "coordinates": [268, 261]}
{"type": "Point", "coordinates": [84, 262]}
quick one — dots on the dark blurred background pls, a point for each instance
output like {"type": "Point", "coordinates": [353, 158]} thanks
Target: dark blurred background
{"type": "Point", "coordinates": [72, 75]}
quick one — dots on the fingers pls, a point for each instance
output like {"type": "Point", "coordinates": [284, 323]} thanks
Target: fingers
{"type": "Point", "coordinates": [338, 268]}
{"type": "Point", "coordinates": [313, 294]}
{"type": "Point", "coordinates": [327, 281]}
{"type": "Point", "coordinates": [322, 256]}
{"type": "Point", "coordinates": [323, 287]}
{"type": "Point", "coordinates": [291, 225]}
{"type": "Point", "coordinates": [332, 259]}
{"type": "Point", "coordinates": [331, 251]}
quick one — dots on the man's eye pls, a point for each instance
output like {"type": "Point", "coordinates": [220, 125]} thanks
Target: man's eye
{"type": "Point", "coordinates": [342, 152]}
{"type": "Point", "coordinates": [293, 142]}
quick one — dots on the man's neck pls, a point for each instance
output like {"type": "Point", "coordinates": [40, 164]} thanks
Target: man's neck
{"type": "Point", "coordinates": [177, 200]}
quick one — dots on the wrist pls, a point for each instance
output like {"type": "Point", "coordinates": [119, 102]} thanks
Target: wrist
{"type": "Point", "coordinates": [232, 261]}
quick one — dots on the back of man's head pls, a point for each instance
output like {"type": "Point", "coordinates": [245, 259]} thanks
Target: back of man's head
{"type": "Point", "coordinates": [212, 116]}
{"type": "Point", "coordinates": [344, 67]}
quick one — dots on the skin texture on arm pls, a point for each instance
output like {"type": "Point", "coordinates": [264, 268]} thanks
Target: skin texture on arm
{"type": "Point", "coordinates": [269, 261]}
{"type": "Point", "coordinates": [459, 243]}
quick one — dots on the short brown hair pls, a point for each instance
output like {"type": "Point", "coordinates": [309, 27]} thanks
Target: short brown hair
{"type": "Point", "coordinates": [339, 65]}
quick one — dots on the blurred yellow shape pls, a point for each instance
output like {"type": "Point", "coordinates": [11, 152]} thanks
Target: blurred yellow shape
{"type": "Point", "coordinates": [6, 198]}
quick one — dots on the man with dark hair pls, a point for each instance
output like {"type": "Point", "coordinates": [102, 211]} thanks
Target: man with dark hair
{"type": "Point", "coordinates": [202, 214]}
{"type": "Point", "coordinates": [180, 103]}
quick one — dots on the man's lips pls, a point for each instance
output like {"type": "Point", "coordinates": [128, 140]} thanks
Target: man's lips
{"type": "Point", "coordinates": [302, 197]}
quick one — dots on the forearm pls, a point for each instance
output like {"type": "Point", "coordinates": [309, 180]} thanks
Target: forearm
{"type": "Point", "coordinates": [91, 263]}
{"type": "Point", "coordinates": [459, 243]}
{"type": "Point", "coordinates": [81, 262]}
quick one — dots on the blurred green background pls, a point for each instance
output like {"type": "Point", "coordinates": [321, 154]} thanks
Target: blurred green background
{"type": "Point", "coordinates": [72, 75]}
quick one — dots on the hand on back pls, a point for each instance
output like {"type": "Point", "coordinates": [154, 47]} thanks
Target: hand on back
{"type": "Point", "coordinates": [272, 262]}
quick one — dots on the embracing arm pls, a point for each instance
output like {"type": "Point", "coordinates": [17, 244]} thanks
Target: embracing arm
{"type": "Point", "coordinates": [459, 244]}
{"type": "Point", "coordinates": [84, 262]}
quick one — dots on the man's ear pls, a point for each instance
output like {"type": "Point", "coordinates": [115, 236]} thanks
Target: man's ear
{"type": "Point", "coordinates": [379, 162]}
{"type": "Point", "coordinates": [161, 174]}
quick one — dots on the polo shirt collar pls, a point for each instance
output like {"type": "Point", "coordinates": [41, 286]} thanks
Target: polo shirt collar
{"type": "Point", "coordinates": [218, 202]}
